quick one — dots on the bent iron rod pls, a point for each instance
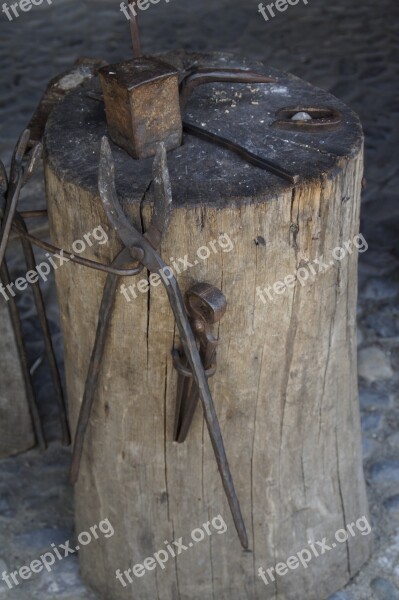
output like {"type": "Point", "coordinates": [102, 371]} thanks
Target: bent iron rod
{"type": "Point", "coordinates": [94, 370]}
{"type": "Point", "coordinates": [10, 219]}
{"type": "Point", "coordinates": [104, 318]}
{"type": "Point", "coordinates": [50, 354]}
{"type": "Point", "coordinates": [249, 157]}
{"type": "Point", "coordinates": [200, 75]}
{"type": "Point", "coordinates": [86, 262]}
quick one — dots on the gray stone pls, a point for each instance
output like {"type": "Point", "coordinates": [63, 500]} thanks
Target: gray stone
{"type": "Point", "coordinates": [368, 447]}
{"type": "Point", "coordinates": [40, 539]}
{"type": "Point", "coordinates": [395, 359]}
{"type": "Point", "coordinates": [36, 500]}
{"type": "Point", "coordinates": [373, 364]}
{"type": "Point", "coordinates": [383, 589]}
{"type": "Point", "coordinates": [9, 467]}
{"type": "Point", "coordinates": [371, 421]}
{"type": "Point", "coordinates": [385, 471]}
{"type": "Point", "coordinates": [380, 289]}
{"type": "Point", "coordinates": [339, 596]}
{"type": "Point", "coordinates": [8, 515]}
{"type": "Point", "coordinates": [377, 263]}
{"type": "Point", "coordinates": [63, 581]}
{"type": "Point", "coordinates": [392, 505]}
{"type": "Point", "coordinates": [3, 586]}
{"type": "Point", "coordinates": [384, 321]}
{"type": "Point", "coordinates": [370, 399]}
{"type": "Point", "coordinates": [4, 505]}
{"type": "Point", "coordinates": [393, 440]}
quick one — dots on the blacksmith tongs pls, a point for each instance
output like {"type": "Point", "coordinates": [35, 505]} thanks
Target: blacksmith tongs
{"type": "Point", "coordinates": [142, 250]}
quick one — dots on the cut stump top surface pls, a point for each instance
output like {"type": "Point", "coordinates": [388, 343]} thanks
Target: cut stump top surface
{"type": "Point", "coordinates": [202, 173]}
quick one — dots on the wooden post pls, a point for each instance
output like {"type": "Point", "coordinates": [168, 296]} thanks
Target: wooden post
{"type": "Point", "coordinates": [286, 384]}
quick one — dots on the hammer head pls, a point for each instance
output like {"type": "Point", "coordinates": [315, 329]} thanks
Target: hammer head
{"type": "Point", "coordinates": [141, 98]}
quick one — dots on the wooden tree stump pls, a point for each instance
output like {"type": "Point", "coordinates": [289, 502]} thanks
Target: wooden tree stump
{"type": "Point", "coordinates": [286, 385]}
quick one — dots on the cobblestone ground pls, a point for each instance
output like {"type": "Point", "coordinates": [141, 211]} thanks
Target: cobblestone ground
{"type": "Point", "coordinates": [348, 47]}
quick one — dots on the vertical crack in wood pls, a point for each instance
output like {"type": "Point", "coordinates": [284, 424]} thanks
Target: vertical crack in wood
{"type": "Point", "coordinates": [342, 499]}
{"type": "Point", "coordinates": [294, 225]}
{"type": "Point", "coordinates": [165, 435]}
{"type": "Point", "coordinates": [251, 470]}
{"type": "Point", "coordinates": [211, 563]}
{"type": "Point", "coordinates": [332, 322]}
{"type": "Point", "coordinates": [337, 291]}
{"type": "Point", "coordinates": [143, 228]}
{"type": "Point", "coordinates": [176, 567]}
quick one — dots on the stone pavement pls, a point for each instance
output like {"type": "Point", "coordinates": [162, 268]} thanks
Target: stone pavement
{"type": "Point", "coordinates": [348, 47]}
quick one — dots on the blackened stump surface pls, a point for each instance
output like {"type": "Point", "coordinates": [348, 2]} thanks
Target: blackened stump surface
{"type": "Point", "coordinates": [200, 172]}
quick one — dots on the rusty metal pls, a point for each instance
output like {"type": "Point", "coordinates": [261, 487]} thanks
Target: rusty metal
{"type": "Point", "coordinates": [141, 99]}
{"type": "Point", "coordinates": [14, 186]}
{"type": "Point", "coordinates": [22, 168]}
{"type": "Point", "coordinates": [33, 214]}
{"type": "Point", "coordinates": [135, 32]}
{"type": "Point", "coordinates": [159, 222]}
{"type": "Point", "coordinates": [19, 176]}
{"type": "Point", "coordinates": [134, 240]}
{"type": "Point", "coordinates": [206, 305]}
{"type": "Point", "coordinates": [199, 76]}
{"type": "Point", "coordinates": [240, 151]}
{"type": "Point", "coordinates": [86, 262]}
{"type": "Point", "coordinates": [48, 344]}
{"type": "Point", "coordinates": [94, 370]}
{"type": "Point", "coordinates": [323, 118]}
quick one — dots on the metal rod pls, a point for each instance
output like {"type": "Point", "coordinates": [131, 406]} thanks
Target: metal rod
{"type": "Point", "coordinates": [134, 31]}
{"type": "Point", "coordinates": [48, 344]}
{"type": "Point", "coordinates": [14, 186]}
{"type": "Point", "coordinates": [94, 370]}
{"type": "Point", "coordinates": [92, 264]}
{"type": "Point", "coordinates": [33, 214]}
{"type": "Point", "coordinates": [242, 152]}
{"type": "Point", "coordinates": [211, 419]}
{"type": "Point", "coordinates": [200, 75]}
{"type": "Point", "coordinates": [9, 213]}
